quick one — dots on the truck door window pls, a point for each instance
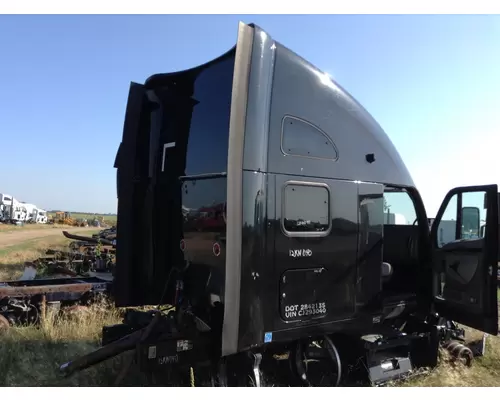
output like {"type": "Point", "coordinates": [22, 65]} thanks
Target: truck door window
{"type": "Point", "coordinates": [463, 218]}
{"type": "Point", "coordinates": [398, 208]}
{"type": "Point", "coordinates": [306, 209]}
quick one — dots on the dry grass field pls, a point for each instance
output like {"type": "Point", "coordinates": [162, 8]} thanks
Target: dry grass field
{"type": "Point", "coordinates": [485, 371]}
{"type": "Point", "coordinates": [30, 356]}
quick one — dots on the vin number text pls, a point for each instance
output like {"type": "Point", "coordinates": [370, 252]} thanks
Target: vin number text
{"type": "Point", "coordinates": [305, 310]}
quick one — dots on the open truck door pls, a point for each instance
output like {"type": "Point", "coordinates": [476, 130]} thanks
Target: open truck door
{"type": "Point", "coordinates": [130, 174]}
{"type": "Point", "coordinates": [465, 261]}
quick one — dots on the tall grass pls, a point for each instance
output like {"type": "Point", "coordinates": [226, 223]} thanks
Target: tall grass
{"type": "Point", "coordinates": [31, 355]}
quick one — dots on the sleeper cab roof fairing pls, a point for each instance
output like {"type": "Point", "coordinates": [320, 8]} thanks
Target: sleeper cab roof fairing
{"type": "Point", "coordinates": [381, 150]}
{"type": "Point", "coordinates": [166, 78]}
{"type": "Point", "coordinates": [386, 146]}
{"type": "Point", "coordinates": [366, 153]}
{"type": "Point", "coordinates": [162, 78]}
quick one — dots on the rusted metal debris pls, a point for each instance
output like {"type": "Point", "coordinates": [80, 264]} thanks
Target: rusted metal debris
{"type": "Point", "coordinates": [24, 302]}
{"type": "Point", "coordinates": [87, 239]}
{"type": "Point", "coordinates": [87, 270]}
{"type": "Point", "coordinates": [85, 255]}
{"type": "Point", "coordinates": [108, 234]}
{"type": "Point", "coordinates": [52, 287]}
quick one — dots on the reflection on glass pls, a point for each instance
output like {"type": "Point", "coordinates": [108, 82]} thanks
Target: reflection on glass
{"type": "Point", "coordinates": [195, 112]}
{"type": "Point", "coordinates": [470, 222]}
{"type": "Point", "coordinates": [209, 132]}
{"type": "Point", "coordinates": [371, 207]}
{"type": "Point", "coordinates": [204, 205]}
{"type": "Point", "coordinates": [307, 208]}
{"type": "Point", "coordinates": [474, 212]}
{"type": "Point", "coordinates": [301, 138]}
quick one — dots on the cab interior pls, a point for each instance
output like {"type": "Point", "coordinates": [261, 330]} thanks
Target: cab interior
{"type": "Point", "coordinates": [400, 245]}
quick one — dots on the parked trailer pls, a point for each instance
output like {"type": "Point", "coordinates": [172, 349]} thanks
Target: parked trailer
{"type": "Point", "coordinates": [303, 267]}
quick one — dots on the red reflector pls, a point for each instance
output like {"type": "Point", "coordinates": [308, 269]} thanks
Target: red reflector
{"type": "Point", "coordinates": [216, 249]}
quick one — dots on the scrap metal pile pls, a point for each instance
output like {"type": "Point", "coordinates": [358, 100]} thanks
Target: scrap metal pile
{"type": "Point", "coordinates": [76, 276]}
{"type": "Point", "coordinates": [85, 257]}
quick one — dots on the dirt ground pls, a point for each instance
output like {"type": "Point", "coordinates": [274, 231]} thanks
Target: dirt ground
{"type": "Point", "coordinates": [14, 237]}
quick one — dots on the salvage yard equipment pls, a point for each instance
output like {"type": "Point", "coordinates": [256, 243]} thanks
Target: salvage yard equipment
{"type": "Point", "coordinates": [301, 263]}
{"type": "Point", "coordinates": [63, 218]}
{"type": "Point", "coordinates": [89, 240]}
{"type": "Point", "coordinates": [85, 254]}
{"type": "Point", "coordinates": [107, 234]}
{"type": "Point", "coordinates": [23, 301]}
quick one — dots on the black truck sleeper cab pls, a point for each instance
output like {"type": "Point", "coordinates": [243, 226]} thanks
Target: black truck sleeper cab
{"type": "Point", "coordinates": [256, 186]}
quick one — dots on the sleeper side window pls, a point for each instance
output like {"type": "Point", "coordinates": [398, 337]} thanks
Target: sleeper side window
{"type": "Point", "coordinates": [306, 209]}
{"type": "Point", "coordinates": [300, 138]}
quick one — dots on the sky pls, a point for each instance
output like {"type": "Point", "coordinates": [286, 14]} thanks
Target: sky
{"type": "Point", "coordinates": [432, 82]}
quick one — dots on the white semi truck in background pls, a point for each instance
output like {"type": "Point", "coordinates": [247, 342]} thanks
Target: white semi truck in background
{"type": "Point", "coordinates": [34, 214]}
{"type": "Point", "coordinates": [16, 211]}
{"type": "Point", "coordinates": [12, 209]}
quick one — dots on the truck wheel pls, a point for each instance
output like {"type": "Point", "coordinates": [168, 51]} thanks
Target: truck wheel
{"type": "Point", "coordinates": [316, 363]}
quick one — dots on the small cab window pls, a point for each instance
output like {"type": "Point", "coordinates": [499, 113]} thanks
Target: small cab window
{"type": "Point", "coordinates": [306, 209]}
{"type": "Point", "coordinates": [300, 138]}
{"type": "Point", "coordinates": [398, 207]}
{"type": "Point", "coordinates": [464, 218]}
